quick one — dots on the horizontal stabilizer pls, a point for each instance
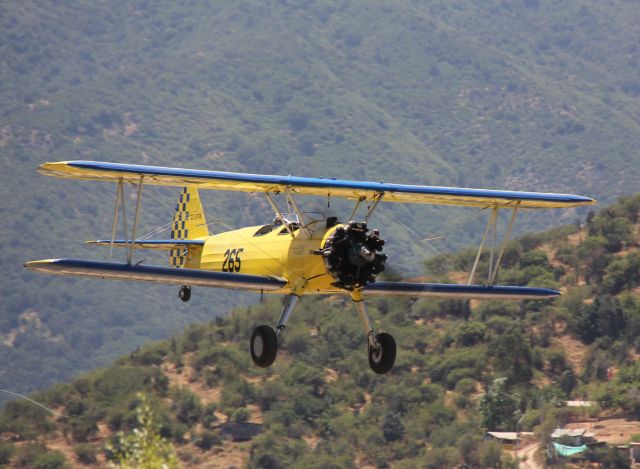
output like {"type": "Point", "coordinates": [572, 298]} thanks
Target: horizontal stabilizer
{"type": "Point", "coordinates": [151, 243]}
{"type": "Point", "coordinates": [148, 273]}
{"type": "Point", "coordinates": [444, 290]}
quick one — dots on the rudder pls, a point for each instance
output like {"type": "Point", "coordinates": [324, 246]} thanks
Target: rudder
{"type": "Point", "coordinates": [189, 222]}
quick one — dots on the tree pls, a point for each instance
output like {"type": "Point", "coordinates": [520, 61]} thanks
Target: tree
{"type": "Point", "coordinates": [513, 354]}
{"type": "Point", "coordinates": [615, 459]}
{"type": "Point", "coordinates": [622, 274]}
{"type": "Point", "coordinates": [143, 448]}
{"type": "Point", "coordinates": [604, 317]}
{"type": "Point", "coordinates": [490, 454]}
{"type": "Point", "coordinates": [470, 333]}
{"type": "Point", "coordinates": [392, 427]}
{"type": "Point", "coordinates": [498, 407]}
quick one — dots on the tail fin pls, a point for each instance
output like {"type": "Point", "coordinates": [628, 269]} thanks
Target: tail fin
{"type": "Point", "coordinates": [188, 223]}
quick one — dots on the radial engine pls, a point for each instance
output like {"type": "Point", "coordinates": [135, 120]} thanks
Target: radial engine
{"type": "Point", "coordinates": [352, 255]}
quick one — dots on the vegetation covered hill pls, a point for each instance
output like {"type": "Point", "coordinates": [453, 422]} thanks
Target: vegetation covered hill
{"type": "Point", "coordinates": [462, 368]}
{"type": "Point", "coordinates": [530, 94]}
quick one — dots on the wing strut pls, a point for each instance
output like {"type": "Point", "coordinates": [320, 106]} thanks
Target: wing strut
{"type": "Point", "coordinates": [124, 212]}
{"type": "Point", "coordinates": [277, 210]}
{"type": "Point", "coordinates": [494, 274]}
{"type": "Point", "coordinates": [291, 202]}
{"type": "Point", "coordinates": [492, 225]}
{"type": "Point", "coordinates": [120, 200]}
{"type": "Point", "coordinates": [377, 200]}
{"type": "Point", "coordinates": [114, 226]}
{"type": "Point", "coordinates": [135, 221]}
{"type": "Point", "coordinates": [355, 209]}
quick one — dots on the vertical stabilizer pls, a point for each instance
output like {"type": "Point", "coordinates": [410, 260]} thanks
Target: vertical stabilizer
{"type": "Point", "coordinates": [188, 223]}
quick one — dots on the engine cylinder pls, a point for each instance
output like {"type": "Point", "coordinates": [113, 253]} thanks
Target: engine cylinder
{"type": "Point", "coordinates": [352, 255]}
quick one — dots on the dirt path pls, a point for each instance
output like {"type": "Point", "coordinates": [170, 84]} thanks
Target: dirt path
{"type": "Point", "coordinates": [529, 453]}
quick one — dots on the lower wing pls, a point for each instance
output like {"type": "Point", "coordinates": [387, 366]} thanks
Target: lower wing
{"type": "Point", "coordinates": [148, 273]}
{"type": "Point", "coordinates": [444, 290]}
{"type": "Point", "coordinates": [150, 243]}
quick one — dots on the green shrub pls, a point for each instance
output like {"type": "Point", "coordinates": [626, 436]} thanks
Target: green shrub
{"type": "Point", "coordinates": [115, 384]}
{"type": "Point", "coordinates": [240, 415]}
{"type": "Point", "coordinates": [152, 354]}
{"type": "Point", "coordinates": [470, 333]}
{"type": "Point", "coordinates": [7, 450]}
{"type": "Point", "coordinates": [51, 460]}
{"type": "Point", "coordinates": [208, 439]}
{"type": "Point", "coordinates": [208, 415]}
{"type": "Point", "coordinates": [81, 428]}
{"type": "Point", "coordinates": [437, 458]}
{"type": "Point", "coordinates": [466, 386]}
{"type": "Point", "coordinates": [187, 406]}
{"type": "Point", "coordinates": [86, 453]}
{"type": "Point", "coordinates": [36, 456]}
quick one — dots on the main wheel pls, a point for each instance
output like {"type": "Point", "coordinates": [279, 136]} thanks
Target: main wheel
{"type": "Point", "coordinates": [382, 357]}
{"type": "Point", "coordinates": [264, 346]}
{"type": "Point", "coordinates": [185, 293]}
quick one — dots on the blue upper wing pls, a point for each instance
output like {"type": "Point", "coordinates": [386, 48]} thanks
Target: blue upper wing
{"type": "Point", "coordinates": [220, 180]}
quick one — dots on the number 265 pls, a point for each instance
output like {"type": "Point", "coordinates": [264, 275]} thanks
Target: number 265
{"type": "Point", "coordinates": [232, 262]}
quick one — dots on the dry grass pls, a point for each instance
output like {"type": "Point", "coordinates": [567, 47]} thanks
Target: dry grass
{"type": "Point", "coordinates": [575, 351]}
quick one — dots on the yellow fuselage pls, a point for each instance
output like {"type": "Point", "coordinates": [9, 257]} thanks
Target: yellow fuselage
{"type": "Point", "coordinates": [275, 253]}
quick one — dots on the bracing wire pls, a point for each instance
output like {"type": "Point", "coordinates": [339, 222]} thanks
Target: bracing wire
{"type": "Point", "coordinates": [39, 404]}
{"type": "Point", "coordinates": [448, 256]}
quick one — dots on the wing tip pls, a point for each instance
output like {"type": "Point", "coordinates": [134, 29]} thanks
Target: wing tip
{"type": "Point", "coordinates": [38, 265]}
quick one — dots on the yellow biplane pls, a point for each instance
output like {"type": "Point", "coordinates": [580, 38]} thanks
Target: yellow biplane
{"type": "Point", "coordinates": [296, 254]}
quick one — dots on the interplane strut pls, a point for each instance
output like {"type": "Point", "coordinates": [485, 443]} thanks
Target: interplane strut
{"type": "Point", "coordinates": [494, 258]}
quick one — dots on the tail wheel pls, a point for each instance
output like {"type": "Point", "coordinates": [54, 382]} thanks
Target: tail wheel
{"type": "Point", "coordinates": [185, 293]}
{"type": "Point", "coordinates": [264, 346]}
{"type": "Point", "coordinates": [383, 355]}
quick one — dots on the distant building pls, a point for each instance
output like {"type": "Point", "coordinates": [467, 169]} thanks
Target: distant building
{"type": "Point", "coordinates": [634, 452]}
{"type": "Point", "coordinates": [508, 439]}
{"type": "Point", "coordinates": [579, 403]}
{"type": "Point", "coordinates": [572, 436]}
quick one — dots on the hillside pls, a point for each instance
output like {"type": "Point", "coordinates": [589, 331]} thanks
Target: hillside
{"type": "Point", "coordinates": [461, 369]}
{"type": "Point", "coordinates": [533, 95]}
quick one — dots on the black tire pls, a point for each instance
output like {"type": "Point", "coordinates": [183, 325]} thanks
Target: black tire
{"type": "Point", "coordinates": [381, 360]}
{"type": "Point", "coordinates": [185, 293]}
{"type": "Point", "coordinates": [264, 346]}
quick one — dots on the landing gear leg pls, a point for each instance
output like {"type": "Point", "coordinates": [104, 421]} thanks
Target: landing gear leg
{"type": "Point", "coordinates": [264, 341]}
{"type": "Point", "coordinates": [185, 293]}
{"type": "Point", "coordinates": [381, 346]}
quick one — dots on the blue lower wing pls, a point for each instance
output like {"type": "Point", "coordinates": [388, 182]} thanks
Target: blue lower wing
{"type": "Point", "coordinates": [444, 290]}
{"type": "Point", "coordinates": [148, 273]}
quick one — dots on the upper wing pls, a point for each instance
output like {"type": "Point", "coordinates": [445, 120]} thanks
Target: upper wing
{"type": "Point", "coordinates": [96, 170]}
{"type": "Point", "coordinates": [444, 290]}
{"type": "Point", "coordinates": [112, 270]}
